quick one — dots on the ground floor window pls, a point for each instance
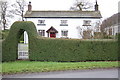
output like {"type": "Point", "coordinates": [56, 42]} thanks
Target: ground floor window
{"type": "Point", "coordinates": [41, 32]}
{"type": "Point", "coordinates": [64, 33]}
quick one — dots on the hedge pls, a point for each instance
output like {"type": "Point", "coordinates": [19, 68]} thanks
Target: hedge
{"type": "Point", "coordinates": [4, 33]}
{"type": "Point", "coordinates": [10, 44]}
{"type": "Point", "coordinates": [46, 49]}
{"type": "Point", "coordinates": [119, 46]}
{"type": "Point", "coordinates": [73, 50]}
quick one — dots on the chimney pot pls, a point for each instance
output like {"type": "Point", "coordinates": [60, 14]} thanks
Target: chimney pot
{"type": "Point", "coordinates": [29, 7]}
{"type": "Point", "coordinates": [96, 6]}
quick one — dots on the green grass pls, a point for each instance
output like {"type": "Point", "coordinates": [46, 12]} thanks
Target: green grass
{"type": "Point", "coordinates": [36, 66]}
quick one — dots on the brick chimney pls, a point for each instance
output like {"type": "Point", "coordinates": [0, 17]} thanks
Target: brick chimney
{"type": "Point", "coordinates": [29, 7]}
{"type": "Point", "coordinates": [96, 6]}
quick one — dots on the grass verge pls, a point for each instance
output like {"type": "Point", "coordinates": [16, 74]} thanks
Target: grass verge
{"type": "Point", "coordinates": [36, 66]}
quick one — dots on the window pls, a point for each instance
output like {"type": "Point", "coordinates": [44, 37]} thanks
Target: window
{"type": "Point", "coordinates": [64, 33]}
{"type": "Point", "coordinates": [110, 31]}
{"type": "Point", "coordinates": [41, 32]}
{"type": "Point", "coordinates": [63, 23]}
{"type": "Point", "coordinates": [41, 23]}
{"type": "Point", "coordinates": [87, 23]}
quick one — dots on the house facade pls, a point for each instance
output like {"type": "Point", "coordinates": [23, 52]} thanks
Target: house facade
{"type": "Point", "coordinates": [112, 30]}
{"type": "Point", "coordinates": [63, 24]}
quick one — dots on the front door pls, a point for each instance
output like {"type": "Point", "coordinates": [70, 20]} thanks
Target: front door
{"type": "Point", "coordinates": [52, 35]}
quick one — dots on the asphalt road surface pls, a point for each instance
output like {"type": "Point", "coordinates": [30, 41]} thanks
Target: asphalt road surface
{"type": "Point", "coordinates": [95, 73]}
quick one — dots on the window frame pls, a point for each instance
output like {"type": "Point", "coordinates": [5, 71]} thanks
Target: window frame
{"type": "Point", "coordinates": [64, 23]}
{"type": "Point", "coordinates": [41, 23]}
{"type": "Point", "coordinates": [41, 32]}
{"type": "Point", "coordinates": [87, 22]}
{"type": "Point", "coordinates": [64, 33]}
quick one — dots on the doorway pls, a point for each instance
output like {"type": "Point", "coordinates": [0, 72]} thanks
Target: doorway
{"type": "Point", "coordinates": [52, 32]}
{"type": "Point", "coordinates": [52, 35]}
{"type": "Point", "coordinates": [23, 47]}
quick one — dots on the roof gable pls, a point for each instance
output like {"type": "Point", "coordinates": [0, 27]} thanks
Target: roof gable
{"type": "Point", "coordinates": [52, 29]}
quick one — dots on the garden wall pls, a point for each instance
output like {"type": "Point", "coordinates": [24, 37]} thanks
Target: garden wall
{"type": "Point", "coordinates": [46, 49]}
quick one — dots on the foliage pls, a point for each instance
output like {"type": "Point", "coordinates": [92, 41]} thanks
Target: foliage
{"type": "Point", "coordinates": [98, 35]}
{"type": "Point", "coordinates": [4, 33]}
{"type": "Point", "coordinates": [103, 35]}
{"type": "Point", "coordinates": [46, 49]}
{"type": "Point", "coordinates": [5, 13]}
{"type": "Point", "coordinates": [81, 5]}
{"type": "Point", "coordinates": [119, 45]}
{"type": "Point", "coordinates": [73, 50]}
{"type": "Point", "coordinates": [19, 8]}
{"type": "Point", "coordinates": [35, 66]}
{"type": "Point", "coordinates": [10, 44]}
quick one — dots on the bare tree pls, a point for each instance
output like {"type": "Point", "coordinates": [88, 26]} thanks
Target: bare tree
{"type": "Point", "coordinates": [81, 4]}
{"type": "Point", "coordinates": [4, 7]}
{"type": "Point", "coordinates": [86, 32]}
{"type": "Point", "coordinates": [19, 8]}
{"type": "Point", "coordinates": [0, 16]}
{"type": "Point", "coordinates": [5, 14]}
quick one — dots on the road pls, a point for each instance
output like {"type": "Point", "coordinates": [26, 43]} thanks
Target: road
{"type": "Point", "coordinates": [96, 73]}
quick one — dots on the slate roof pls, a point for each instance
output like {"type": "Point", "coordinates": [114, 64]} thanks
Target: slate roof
{"type": "Point", "coordinates": [63, 14]}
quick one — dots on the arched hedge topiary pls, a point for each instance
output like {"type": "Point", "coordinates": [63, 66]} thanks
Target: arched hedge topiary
{"type": "Point", "coordinates": [46, 49]}
{"type": "Point", "coordinates": [10, 45]}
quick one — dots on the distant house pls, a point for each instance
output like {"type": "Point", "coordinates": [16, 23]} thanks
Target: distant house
{"type": "Point", "coordinates": [112, 30]}
{"type": "Point", "coordinates": [64, 24]}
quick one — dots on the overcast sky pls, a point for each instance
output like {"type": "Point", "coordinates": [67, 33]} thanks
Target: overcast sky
{"type": "Point", "coordinates": [107, 7]}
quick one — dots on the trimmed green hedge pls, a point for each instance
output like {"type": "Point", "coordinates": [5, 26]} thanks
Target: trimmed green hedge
{"type": "Point", "coordinates": [119, 46]}
{"type": "Point", "coordinates": [4, 33]}
{"type": "Point", "coordinates": [73, 50]}
{"type": "Point", "coordinates": [10, 44]}
{"type": "Point", "coordinates": [46, 49]}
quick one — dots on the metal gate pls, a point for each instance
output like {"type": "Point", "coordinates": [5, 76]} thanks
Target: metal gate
{"type": "Point", "coordinates": [23, 51]}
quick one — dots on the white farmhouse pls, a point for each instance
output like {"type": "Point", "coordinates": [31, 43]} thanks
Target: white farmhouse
{"type": "Point", "coordinates": [63, 24]}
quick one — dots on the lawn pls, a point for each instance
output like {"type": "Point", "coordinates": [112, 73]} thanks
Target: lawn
{"type": "Point", "coordinates": [36, 66]}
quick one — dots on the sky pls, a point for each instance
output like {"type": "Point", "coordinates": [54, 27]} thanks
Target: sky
{"type": "Point", "coordinates": [106, 7]}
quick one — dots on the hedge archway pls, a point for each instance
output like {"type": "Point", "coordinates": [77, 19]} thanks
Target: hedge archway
{"type": "Point", "coordinates": [10, 45]}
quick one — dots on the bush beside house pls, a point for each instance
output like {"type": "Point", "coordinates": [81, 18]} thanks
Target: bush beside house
{"type": "Point", "coordinates": [46, 49]}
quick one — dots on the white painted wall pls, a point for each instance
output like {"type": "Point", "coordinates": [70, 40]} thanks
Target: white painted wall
{"type": "Point", "coordinates": [74, 26]}
{"type": "Point", "coordinates": [114, 29]}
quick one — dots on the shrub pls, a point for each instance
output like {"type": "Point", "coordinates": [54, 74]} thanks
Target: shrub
{"type": "Point", "coordinates": [4, 33]}
{"type": "Point", "coordinates": [10, 44]}
{"type": "Point", "coordinates": [98, 35]}
{"type": "Point", "coordinates": [73, 50]}
{"type": "Point", "coordinates": [119, 46]}
{"type": "Point", "coordinates": [46, 49]}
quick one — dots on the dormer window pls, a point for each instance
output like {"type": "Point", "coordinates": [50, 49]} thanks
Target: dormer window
{"type": "Point", "coordinates": [41, 23]}
{"type": "Point", "coordinates": [64, 23]}
{"type": "Point", "coordinates": [87, 23]}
